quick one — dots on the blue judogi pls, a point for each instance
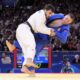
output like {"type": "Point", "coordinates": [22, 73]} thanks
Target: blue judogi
{"type": "Point", "coordinates": [62, 32]}
{"type": "Point", "coordinates": [54, 17]}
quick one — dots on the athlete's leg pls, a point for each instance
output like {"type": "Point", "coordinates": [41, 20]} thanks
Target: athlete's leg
{"type": "Point", "coordinates": [28, 45]}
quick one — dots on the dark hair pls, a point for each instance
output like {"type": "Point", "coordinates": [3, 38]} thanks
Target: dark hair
{"type": "Point", "coordinates": [72, 16]}
{"type": "Point", "coordinates": [49, 7]}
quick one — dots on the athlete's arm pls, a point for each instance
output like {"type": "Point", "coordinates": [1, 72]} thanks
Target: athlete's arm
{"type": "Point", "coordinates": [42, 28]}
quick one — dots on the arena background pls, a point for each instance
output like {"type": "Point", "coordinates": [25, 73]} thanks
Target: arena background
{"type": "Point", "coordinates": [54, 55]}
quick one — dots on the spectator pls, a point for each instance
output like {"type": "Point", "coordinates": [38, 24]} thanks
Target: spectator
{"type": "Point", "coordinates": [76, 59]}
{"type": "Point", "coordinates": [67, 68]}
{"type": "Point", "coordinates": [5, 59]}
{"type": "Point", "coordinates": [71, 45]}
{"type": "Point", "coordinates": [57, 45]}
{"type": "Point", "coordinates": [1, 43]}
{"type": "Point", "coordinates": [78, 45]}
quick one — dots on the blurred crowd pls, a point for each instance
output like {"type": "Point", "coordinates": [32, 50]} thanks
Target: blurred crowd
{"type": "Point", "coordinates": [11, 17]}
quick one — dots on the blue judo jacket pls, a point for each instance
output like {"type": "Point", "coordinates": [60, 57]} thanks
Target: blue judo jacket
{"type": "Point", "coordinates": [62, 32]}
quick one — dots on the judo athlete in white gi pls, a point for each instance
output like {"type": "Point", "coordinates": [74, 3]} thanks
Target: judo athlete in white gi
{"type": "Point", "coordinates": [24, 34]}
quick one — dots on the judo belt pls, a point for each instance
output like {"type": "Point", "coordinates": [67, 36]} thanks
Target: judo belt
{"type": "Point", "coordinates": [30, 26]}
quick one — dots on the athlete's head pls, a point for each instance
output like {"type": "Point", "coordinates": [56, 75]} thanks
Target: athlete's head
{"type": "Point", "coordinates": [77, 56]}
{"type": "Point", "coordinates": [68, 19]}
{"type": "Point", "coordinates": [49, 10]}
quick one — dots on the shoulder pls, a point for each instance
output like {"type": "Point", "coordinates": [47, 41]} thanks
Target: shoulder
{"type": "Point", "coordinates": [39, 14]}
{"type": "Point", "coordinates": [55, 17]}
{"type": "Point", "coordinates": [61, 14]}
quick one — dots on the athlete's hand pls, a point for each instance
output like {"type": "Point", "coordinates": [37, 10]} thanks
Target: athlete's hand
{"type": "Point", "coordinates": [52, 33]}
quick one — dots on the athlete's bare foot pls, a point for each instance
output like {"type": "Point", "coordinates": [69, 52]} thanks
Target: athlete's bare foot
{"type": "Point", "coordinates": [10, 46]}
{"type": "Point", "coordinates": [32, 64]}
{"type": "Point", "coordinates": [25, 70]}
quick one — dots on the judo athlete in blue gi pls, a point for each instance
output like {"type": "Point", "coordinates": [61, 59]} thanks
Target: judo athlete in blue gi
{"type": "Point", "coordinates": [61, 27]}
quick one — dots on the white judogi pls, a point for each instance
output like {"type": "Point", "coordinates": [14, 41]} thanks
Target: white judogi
{"type": "Point", "coordinates": [25, 36]}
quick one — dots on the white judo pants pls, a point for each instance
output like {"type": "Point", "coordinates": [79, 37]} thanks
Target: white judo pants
{"type": "Point", "coordinates": [27, 41]}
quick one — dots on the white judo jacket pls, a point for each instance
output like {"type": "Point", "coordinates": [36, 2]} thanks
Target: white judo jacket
{"type": "Point", "coordinates": [38, 22]}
